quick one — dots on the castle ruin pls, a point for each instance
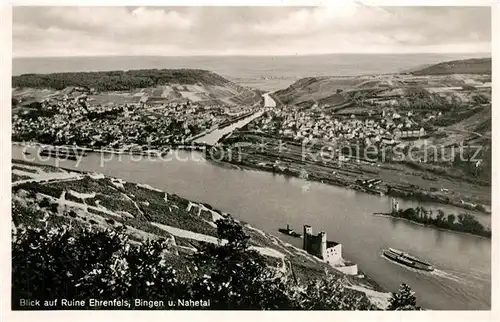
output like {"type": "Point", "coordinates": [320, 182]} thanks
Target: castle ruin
{"type": "Point", "coordinates": [329, 251]}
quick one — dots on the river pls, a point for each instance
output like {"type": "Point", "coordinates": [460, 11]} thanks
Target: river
{"type": "Point", "coordinates": [268, 100]}
{"type": "Point", "coordinates": [214, 136]}
{"type": "Point", "coordinates": [462, 279]}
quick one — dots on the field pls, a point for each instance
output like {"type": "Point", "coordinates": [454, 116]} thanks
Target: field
{"type": "Point", "coordinates": [338, 90]}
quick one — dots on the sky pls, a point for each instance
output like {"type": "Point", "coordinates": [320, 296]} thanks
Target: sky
{"type": "Point", "coordinates": [179, 31]}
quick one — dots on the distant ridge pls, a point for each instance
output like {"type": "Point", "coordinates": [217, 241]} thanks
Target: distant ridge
{"type": "Point", "coordinates": [464, 66]}
{"type": "Point", "coordinates": [120, 80]}
{"type": "Point", "coordinates": [159, 86]}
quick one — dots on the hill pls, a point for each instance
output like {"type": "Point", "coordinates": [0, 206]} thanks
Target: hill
{"type": "Point", "coordinates": [321, 90]}
{"type": "Point", "coordinates": [49, 198]}
{"type": "Point", "coordinates": [119, 80]}
{"type": "Point", "coordinates": [459, 80]}
{"type": "Point", "coordinates": [475, 132]}
{"type": "Point", "coordinates": [154, 85]}
{"type": "Point", "coordinates": [465, 66]}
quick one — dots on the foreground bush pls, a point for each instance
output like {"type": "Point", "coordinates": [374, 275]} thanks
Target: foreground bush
{"type": "Point", "coordinates": [60, 264]}
{"type": "Point", "coordinates": [54, 264]}
{"type": "Point", "coordinates": [403, 300]}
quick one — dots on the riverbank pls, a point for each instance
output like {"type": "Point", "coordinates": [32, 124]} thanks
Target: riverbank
{"type": "Point", "coordinates": [346, 178]}
{"type": "Point", "coordinates": [135, 150]}
{"type": "Point", "coordinates": [281, 155]}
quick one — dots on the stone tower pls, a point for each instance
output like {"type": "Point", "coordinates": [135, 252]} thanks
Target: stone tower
{"type": "Point", "coordinates": [307, 234]}
{"type": "Point", "coordinates": [322, 246]}
{"type": "Point", "coordinates": [395, 205]}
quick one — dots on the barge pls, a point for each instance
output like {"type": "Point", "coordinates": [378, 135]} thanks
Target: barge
{"type": "Point", "coordinates": [290, 232]}
{"type": "Point", "coordinates": [407, 260]}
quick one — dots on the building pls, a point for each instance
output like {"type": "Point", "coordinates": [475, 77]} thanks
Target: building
{"type": "Point", "coordinates": [394, 205]}
{"type": "Point", "coordinates": [329, 251]}
{"type": "Point", "coordinates": [397, 134]}
{"type": "Point", "coordinates": [413, 133]}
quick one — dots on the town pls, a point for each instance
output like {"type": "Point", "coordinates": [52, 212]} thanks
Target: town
{"type": "Point", "coordinates": [74, 118]}
{"type": "Point", "coordinates": [316, 125]}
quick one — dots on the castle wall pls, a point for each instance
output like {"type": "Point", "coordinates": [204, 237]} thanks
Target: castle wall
{"type": "Point", "coordinates": [349, 270]}
{"type": "Point", "coordinates": [307, 235]}
{"type": "Point", "coordinates": [314, 245]}
{"type": "Point", "coordinates": [317, 246]}
{"type": "Point", "coordinates": [333, 254]}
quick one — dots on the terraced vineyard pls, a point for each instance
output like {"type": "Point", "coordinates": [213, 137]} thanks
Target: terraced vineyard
{"type": "Point", "coordinates": [53, 196]}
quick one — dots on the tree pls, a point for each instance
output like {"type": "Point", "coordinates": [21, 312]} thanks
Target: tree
{"type": "Point", "coordinates": [233, 276]}
{"type": "Point", "coordinates": [480, 99]}
{"type": "Point", "coordinates": [451, 219]}
{"type": "Point", "coordinates": [440, 216]}
{"type": "Point", "coordinates": [329, 293]}
{"type": "Point", "coordinates": [403, 300]}
{"type": "Point", "coordinates": [57, 263]}
{"type": "Point", "coordinates": [470, 223]}
{"type": "Point", "coordinates": [45, 203]}
{"type": "Point", "coordinates": [101, 264]}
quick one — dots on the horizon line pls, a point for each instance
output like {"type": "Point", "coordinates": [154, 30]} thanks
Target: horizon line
{"type": "Point", "coordinates": [260, 55]}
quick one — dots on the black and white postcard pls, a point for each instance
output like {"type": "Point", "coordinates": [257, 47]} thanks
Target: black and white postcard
{"type": "Point", "coordinates": [333, 157]}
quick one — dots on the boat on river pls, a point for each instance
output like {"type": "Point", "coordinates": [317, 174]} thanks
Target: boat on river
{"type": "Point", "coordinates": [406, 259]}
{"type": "Point", "coordinates": [290, 232]}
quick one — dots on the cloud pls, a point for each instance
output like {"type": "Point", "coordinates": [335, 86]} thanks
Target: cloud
{"type": "Point", "coordinates": [350, 27]}
{"type": "Point", "coordinates": [116, 20]}
{"type": "Point", "coordinates": [307, 20]}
